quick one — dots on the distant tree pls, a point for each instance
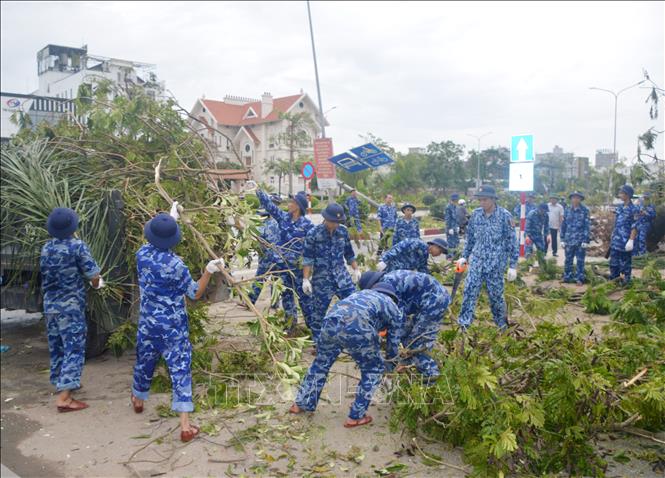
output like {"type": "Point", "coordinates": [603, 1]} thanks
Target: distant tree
{"type": "Point", "coordinates": [280, 168]}
{"type": "Point", "coordinates": [296, 136]}
{"type": "Point", "coordinates": [444, 168]}
{"type": "Point", "coordinates": [494, 163]}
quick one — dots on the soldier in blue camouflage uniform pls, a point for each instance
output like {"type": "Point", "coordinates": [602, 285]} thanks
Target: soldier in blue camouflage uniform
{"type": "Point", "coordinates": [387, 216]}
{"type": "Point", "coordinates": [65, 262]}
{"type": "Point", "coordinates": [353, 205]}
{"type": "Point", "coordinates": [645, 218]}
{"type": "Point", "coordinates": [452, 238]}
{"type": "Point", "coordinates": [269, 232]}
{"type": "Point", "coordinates": [623, 236]}
{"type": "Point", "coordinates": [575, 237]}
{"type": "Point", "coordinates": [407, 227]}
{"type": "Point", "coordinates": [490, 245]}
{"type": "Point", "coordinates": [411, 254]}
{"type": "Point", "coordinates": [425, 300]}
{"type": "Point", "coordinates": [163, 328]}
{"type": "Point", "coordinates": [293, 227]}
{"type": "Point", "coordinates": [352, 325]}
{"type": "Point", "coordinates": [326, 248]}
{"type": "Point", "coordinates": [537, 227]}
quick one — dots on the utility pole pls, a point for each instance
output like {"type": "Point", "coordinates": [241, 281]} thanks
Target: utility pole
{"type": "Point", "coordinates": [316, 74]}
{"type": "Point", "coordinates": [614, 147]}
{"type": "Point", "coordinates": [478, 138]}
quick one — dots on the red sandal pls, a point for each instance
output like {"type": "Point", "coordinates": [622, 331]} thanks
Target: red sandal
{"type": "Point", "coordinates": [189, 435]}
{"type": "Point", "coordinates": [73, 406]}
{"type": "Point", "coordinates": [361, 421]}
{"type": "Point", "coordinates": [137, 408]}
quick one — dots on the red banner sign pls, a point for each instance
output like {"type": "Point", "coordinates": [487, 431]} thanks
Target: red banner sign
{"type": "Point", "coordinates": [326, 177]}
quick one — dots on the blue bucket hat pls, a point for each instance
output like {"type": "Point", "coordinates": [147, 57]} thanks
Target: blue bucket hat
{"type": "Point", "coordinates": [628, 189]}
{"type": "Point", "coordinates": [454, 196]}
{"type": "Point", "coordinates": [62, 222]}
{"type": "Point", "coordinates": [439, 242]}
{"type": "Point", "coordinates": [486, 191]}
{"type": "Point", "coordinates": [162, 231]}
{"type": "Point", "coordinates": [334, 212]}
{"type": "Point", "coordinates": [301, 200]}
{"type": "Point", "coordinates": [408, 204]}
{"type": "Point", "coordinates": [368, 279]}
{"type": "Point", "coordinates": [544, 206]}
{"type": "Point", "coordinates": [387, 289]}
{"type": "Point", "coordinates": [576, 193]}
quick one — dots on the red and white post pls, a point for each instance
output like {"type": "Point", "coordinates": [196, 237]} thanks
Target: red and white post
{"type": "Point", "coordinates": [522, 222]}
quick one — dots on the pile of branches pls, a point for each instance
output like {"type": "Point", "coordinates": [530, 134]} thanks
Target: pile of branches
{"type": "Point", "coordinates": [531, 403]}
{"type": "Point", "coordinates": [147, 153]}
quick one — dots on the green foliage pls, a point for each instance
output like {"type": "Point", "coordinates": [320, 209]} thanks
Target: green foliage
{"type": "Point", "coordinates": [429, 199]}
{"type": "Point", "coordinates": [596, 300]}
{"type": "Point", "coordinates": [438, 209]}
{"type": "Point", "coordinates": [530, 404]}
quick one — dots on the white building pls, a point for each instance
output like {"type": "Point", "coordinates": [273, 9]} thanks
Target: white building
{"type": "Point", "coordinates": [63, 69]}
{"type": "Point", "coordinates": [252, 127]}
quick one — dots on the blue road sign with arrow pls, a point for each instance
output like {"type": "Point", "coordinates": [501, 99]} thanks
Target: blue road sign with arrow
{"type": "Point", "coordinates": [366, 150]}
{"type": "Point", "coordinates": [348, 162]}
{"type": "Point", "coordinates": [521, 149]}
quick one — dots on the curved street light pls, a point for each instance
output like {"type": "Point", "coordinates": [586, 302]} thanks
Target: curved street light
{"type": "Point", "coordinates": [478, 138]}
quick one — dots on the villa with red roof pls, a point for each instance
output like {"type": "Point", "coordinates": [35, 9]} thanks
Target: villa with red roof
{"type": "Point", "coordinates": [251, 129]}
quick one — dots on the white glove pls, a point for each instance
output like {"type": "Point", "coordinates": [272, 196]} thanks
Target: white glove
{"type": "Point", "coordinates": [250, 186]}
{"type": "Point", "coordinates": [457, 230]}
{"type": "Point", "coordinates": [584, 245]}
{"type": "Point", "coordinates": [175, 210]}
{"type": "Point", "coordinates": [307, 287]}
{"type": "Point", "coordinates": [381, 266]}
{"type": "Point", "coordinates": [629, 245]}
{"type": "Point", "coordinates": [461, 262]}
{"type": "Point", "coordinates": [451, 232]}
{"type": "Point", "coordinates": [100, 284]}
{"type": "Point", "coordinates": [355, 275]}
{"type": "Point", "coordinates": [563, 245]}
{"type": "Point", "coordinates": [512, 274]}
{"type": "Point", "coordinates": [215, 266]}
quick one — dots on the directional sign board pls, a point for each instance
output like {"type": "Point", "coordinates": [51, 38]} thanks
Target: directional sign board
{"type": "Point", "coordinates": [521, 149]}
{"type": "Point", "coordinates": [349, 163]}
{"type": "Point", "coordinates": [307, 171]}
{"type": "Point", "coordinates": [366, 150]}
{"type": "Point", "coordinates": [378, 160]}
{"type": "Point", "coordinates": [521, 177]}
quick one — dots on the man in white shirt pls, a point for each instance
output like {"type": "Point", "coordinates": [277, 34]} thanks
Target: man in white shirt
{"type": "Point", "coordinates": [555, 218]}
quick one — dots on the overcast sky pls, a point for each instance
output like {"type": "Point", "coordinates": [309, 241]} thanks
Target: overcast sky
{"type": "Point", "coordinates": [410, 73]}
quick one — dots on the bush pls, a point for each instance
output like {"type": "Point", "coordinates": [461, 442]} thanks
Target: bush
{"type": "Point", "coordinates": [429, 199]}
{"type": "Point", "coordinates": [438, 209]}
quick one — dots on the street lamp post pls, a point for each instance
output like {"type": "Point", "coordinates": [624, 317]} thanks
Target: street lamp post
{"type": "Point", "coordinates": [614, 146]}
{"type": "Point", "coordinates": [478, 138]}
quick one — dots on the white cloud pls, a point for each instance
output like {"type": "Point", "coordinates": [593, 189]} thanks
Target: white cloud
{"type": "Point", "coordinates": [410, 72]}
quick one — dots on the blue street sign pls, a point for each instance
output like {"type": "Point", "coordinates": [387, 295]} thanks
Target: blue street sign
{"type": "Point", "coordinates": [521, 148]}
{"type": "Point", "coordinates": [366, 150]}
{"type": "Point", "coordinates": [378, 160]}
{"type": "Point", "coordinates": [307, 170]}
{"type": "Point", "coordinates": [348, 162]}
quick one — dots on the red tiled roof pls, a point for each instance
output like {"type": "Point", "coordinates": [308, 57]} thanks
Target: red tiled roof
{"type": "Point", "coordinates": [232, 115]}
{"type": "Point", "coordinates": [252, 135]}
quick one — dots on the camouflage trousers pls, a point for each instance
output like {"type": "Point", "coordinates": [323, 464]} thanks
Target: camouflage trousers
{"type": "Point", "coordinates": [361, 341]}
{"type": "Point", "coordinates": [153, 343]}
{"type": "Point", "coordinates": [66, 343]}
{"type": "Point", "coordinates": [322, 293]}
{"type": "Point", "coordinates": [292, 280]}
{"type": "Point", "coordinates": [641, 241]}
{"type": "Point", "coordinates": [421, 334]}
{"type": "Point", "coordinates": [578, 253]}
{"type": "Point", "coordinates": [493, 280]}
{"type": "Point", "coordinates": [621, 262]}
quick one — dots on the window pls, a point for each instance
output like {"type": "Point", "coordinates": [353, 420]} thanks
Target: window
{"type": "Point", "coordinates": [250, 113]}
{"type": "Point", "coordinates": [248, 160]}
{"type": "Point", "coordinates": [301, 104]}
{"type": "Point", "coordinates": [248, 148]}
{"type": "Point", "coordinates": [204, 110]}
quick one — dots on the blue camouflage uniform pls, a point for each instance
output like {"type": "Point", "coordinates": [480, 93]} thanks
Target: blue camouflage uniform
{"type": "Point", "coordinates": [64, 263]}
{"type": "Point", "coordinates": [490, 245]}
{"type": "Point", "coordinates": [451, 223]}
{"type": "Point", "coordinates": [406, 230]}
{"type": "Point", "coordinates": [353, 205]}
{"type": "Point", "coordinates": [163, 329]}
{"type": "Point", "coordinates": [575, 232]}
{"type": "Point", "coordinates": [423, 297]}
{"type": "Point", "coordinates": [410, 254]}
{"type": "Point", "coordinates": [288, 256]}
{"type": "Point", "coordinates": [621, 262]}
{"type": "Point", "coordinates": [536, 229]}
{"type": "Point", "coordinates": [326, 252]}
{"type": "Point", "coordinates": [269, 233]}
{"type": "Point", "coordinates": [387, 214]}
{"type": "Point", "coordinates": [352, 325]}
{"type": "Point", "coordinates": [646, 215]}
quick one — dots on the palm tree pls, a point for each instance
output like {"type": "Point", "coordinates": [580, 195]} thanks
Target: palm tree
{"type": "Point", "coordinates": [279, 168]}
